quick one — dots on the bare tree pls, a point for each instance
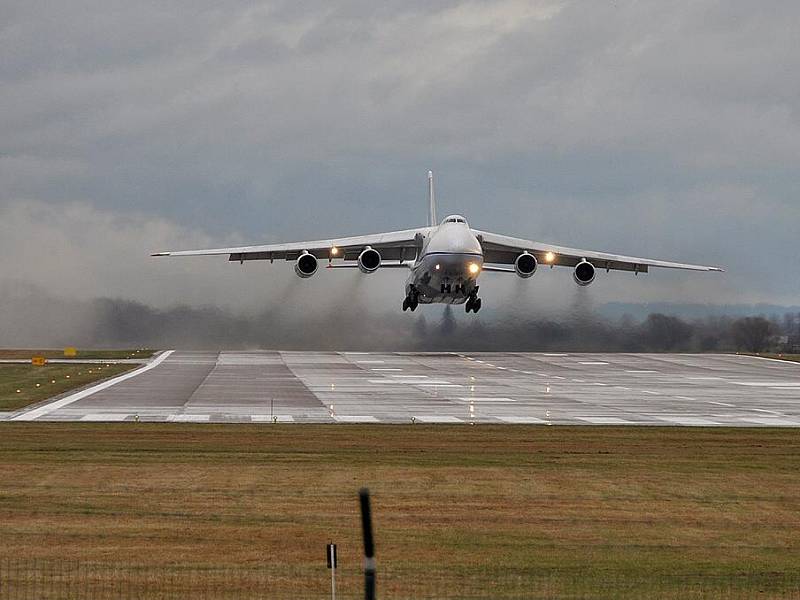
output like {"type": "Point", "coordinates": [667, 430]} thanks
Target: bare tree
{"type": "Point", "coordinates": [752, 334]}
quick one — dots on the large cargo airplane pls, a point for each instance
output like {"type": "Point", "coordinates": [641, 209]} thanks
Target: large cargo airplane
{"type": "Point", "coordinates": [444, 260]}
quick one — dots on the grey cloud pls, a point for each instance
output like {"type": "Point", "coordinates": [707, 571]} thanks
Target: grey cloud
{"type": "Point", "coordinates": [650, 128]}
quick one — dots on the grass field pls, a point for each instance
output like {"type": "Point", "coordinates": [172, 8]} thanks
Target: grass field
{"type": "Point", "coordinates": [583, 504]}
{"type": "Point", "coordinates": [27, 353]}
{"type": "Point", "coordinates": [39, 383]}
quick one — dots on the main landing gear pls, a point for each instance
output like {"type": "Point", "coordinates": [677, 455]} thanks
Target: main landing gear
{"type": "Point", "coordinates": [473, 302]}
{"type": "Point", "coordinates": [411, 301]}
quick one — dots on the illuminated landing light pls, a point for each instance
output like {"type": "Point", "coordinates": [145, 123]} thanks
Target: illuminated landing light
{"type": "Point", "coordinates": [437, 267]}
{"type": "Point", "coordinates": [334, 251]}
{"type": "Point", "coordinates": [474, 268]}
{"type": "Point", "coordinates": [549, 257]}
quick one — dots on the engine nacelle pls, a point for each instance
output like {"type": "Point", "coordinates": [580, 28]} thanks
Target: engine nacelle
{"type": "Point", "coordinates": [306, 265]}
{"type": "Point", "coordinates": [369, 260]}
{"type": "Point", "coordinates": [584, 273]}
{"type": "Point", "coordinates": [525, 265]}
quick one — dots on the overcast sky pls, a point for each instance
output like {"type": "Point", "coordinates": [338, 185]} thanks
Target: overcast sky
{"type": "Point", "coordinates": [661, 129]}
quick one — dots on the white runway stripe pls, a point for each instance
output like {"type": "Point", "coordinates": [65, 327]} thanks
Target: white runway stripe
{"type": "Point", "coordinates": [104, 417]}
{"type": "Point", "coordinates": [48, 408]}
{"type": "Point", "coordinates": [438, 419]}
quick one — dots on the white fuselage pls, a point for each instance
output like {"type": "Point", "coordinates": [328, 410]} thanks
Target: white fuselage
{"type": "Point", "coordinates": [447, 268]}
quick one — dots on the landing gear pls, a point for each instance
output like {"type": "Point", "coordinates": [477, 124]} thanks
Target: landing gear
{"type": "Point", "coordinates": [473, 302]}
{"type": "Point", "coordinates": [411, 301]}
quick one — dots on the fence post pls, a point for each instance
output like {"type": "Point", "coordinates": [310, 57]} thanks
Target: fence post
{"type": "Point", "coordinates": [369, 546]}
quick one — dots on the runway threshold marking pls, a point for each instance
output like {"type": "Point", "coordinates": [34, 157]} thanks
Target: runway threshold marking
{"type": "Point", "coordinates": [53, 406]}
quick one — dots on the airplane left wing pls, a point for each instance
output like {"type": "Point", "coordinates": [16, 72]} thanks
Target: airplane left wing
{"type": "Point", "coordinates": [393, 245]}
{"type": "Point", "coordinates": [501, 249]}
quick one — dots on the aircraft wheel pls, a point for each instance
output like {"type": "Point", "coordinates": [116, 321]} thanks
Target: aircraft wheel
{"type": "Point", "coordinates": [406, 305]}
{"type": "Point", "coordinates": [477, 306]}
{"type": "Point", "coordinates": [469, 305]}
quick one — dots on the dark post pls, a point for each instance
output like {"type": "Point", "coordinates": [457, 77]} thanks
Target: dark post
{"type": "Point", "coordinates": [369, 546]}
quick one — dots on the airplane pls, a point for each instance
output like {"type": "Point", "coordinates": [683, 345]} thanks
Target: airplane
{"type": "Point", "coordinates": [444, 260]}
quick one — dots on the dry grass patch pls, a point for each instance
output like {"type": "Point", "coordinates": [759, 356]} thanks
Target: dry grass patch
{"type": "Point", "coordinates": [571, 502]}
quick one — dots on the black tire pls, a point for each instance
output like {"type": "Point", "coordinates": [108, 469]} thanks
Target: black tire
{"type": "Point", "coordinates": [405, 304]}
{"type": "Point", "coordinates": [477, 306]}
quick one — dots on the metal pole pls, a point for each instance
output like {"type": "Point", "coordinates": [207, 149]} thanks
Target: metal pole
{"type": "Point", "coordinates": [369, 546]}
{"type": "Point", "coordinates": [333, 571]}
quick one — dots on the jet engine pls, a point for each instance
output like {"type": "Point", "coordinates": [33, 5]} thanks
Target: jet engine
{"type": "Point", "coordinates": [306, 265]}
{"type": "Point", "coordinates": [584, 273]}
{"type": "Point", "coordinates": [369, 260]}
{"type": "Point", "coordinates": [525, 265]}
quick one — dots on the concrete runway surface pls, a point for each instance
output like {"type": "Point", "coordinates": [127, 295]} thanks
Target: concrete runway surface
{"type": "Point", "coordinates": [353, 387]}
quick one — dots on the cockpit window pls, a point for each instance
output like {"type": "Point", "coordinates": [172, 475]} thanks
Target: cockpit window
{"type": "Point", "coordinates": [455, 219]}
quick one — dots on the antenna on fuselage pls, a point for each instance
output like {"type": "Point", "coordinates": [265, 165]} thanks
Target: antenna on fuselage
{"type": "Point", "coordinates": [431, 201]}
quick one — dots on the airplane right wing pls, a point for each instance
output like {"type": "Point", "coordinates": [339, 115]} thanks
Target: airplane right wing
{"type": "Point", "coordinates": [394, 245]}
{"type": "Point", "coordinates": [503, 250]}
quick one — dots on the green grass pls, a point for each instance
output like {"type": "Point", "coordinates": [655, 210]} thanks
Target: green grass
{"type": "Point", "coordinates": [27, 353]}
{"type": "Point", "coordinates": [573, 505]}
{"type": "Point", "coordinates": [21, 385]}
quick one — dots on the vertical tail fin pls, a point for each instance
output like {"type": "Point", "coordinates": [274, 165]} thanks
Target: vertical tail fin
{"type": "Point", "coordinates": [431, 201]}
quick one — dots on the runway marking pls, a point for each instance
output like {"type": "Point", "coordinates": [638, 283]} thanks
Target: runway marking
{"type": "Point", "coordinates": [651, 393]}
{"type": "Point", "coordinates": [382, 381]}
{"type": "Point", "coordinates": [788, 384]}
{"type": "Point", "coordinates": [435, 384]}
{"type": "Point", "coordinates": [189, 418]}
{"type": "Point", "coordinates": [268, 419]}
{"type": "Point", "coordinates": [356, 419]}
{"type": "Point", "coordinates": [600, 384]}
{"type": "Point", "coordinates": [437, 419]}
{"type": "Point", "coordinates": [53, 406]}
{"type": "Point", "coordinates": [488, 399]}
{"type": "Point", "coordinates": [553, 354]}
{"type": "Point", "coordinates": [694, 399]}
{"type": "Point", "coordinates": [104, 417]}
{"type": "Point", "coordinates": [775, 422]}
{"type": "Point", "coordinates": [522, 420]}
{"type": "Point", "coordinates": [558, 377]}
{"type": "Point", "coordinates": [605, 420]}
{"type": "Point", "coordinates": [619, 387]}
{"type": "Point", "coordinates": [688, 420]}
{"type": "Point", "coordinates": [777, 360]}
{"type": "Point", "coordinates": [719, 403]}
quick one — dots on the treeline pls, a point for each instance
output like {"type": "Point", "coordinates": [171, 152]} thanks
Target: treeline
{"type": "Point", "coordinates": [122, 322]}
{"type": "Point", "coordinates": [36, 319]}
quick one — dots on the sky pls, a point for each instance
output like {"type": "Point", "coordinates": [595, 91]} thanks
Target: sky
{"type": "Point", "coordinates": [668, 130]}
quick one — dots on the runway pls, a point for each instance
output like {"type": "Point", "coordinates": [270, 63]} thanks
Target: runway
{"type": "Point", "coordinates": [513, 388]}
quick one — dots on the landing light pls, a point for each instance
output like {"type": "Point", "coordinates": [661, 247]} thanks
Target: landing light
{"type": "Point", "coordinates": [437, 267]}
{"type": "Point", "coordinates": [474, 268]}
{"type": "Point", "coordinates": [549, 257]}
{"type": "Point", "coordinates": [334, 251]}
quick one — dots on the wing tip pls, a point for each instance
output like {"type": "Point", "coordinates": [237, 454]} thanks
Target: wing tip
{"type": "Point", "coordinates": [161, 253]}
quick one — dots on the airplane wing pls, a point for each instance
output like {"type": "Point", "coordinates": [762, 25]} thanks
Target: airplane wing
{"type": "Point", "coordinates": [501, 249]}
{"type": "Point", "coordinates": [393, 245]}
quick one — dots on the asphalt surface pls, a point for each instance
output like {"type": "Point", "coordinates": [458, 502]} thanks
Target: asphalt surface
{"type": "Point", "coordinates": [548, 388]}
